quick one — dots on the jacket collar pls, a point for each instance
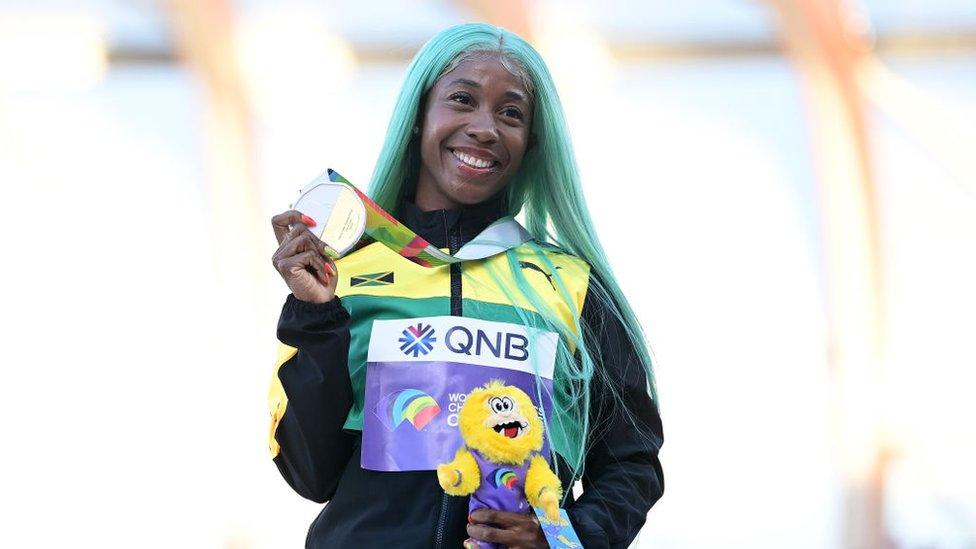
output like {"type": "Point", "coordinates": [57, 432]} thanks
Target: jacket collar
{"type": "Point", "coordinates": [468, 221]}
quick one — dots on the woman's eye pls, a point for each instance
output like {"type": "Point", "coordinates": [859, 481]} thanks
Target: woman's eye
{"type": "Point", "coordinates": [514, 113]}
{"type": "Point", "coordinates": [460, 97]}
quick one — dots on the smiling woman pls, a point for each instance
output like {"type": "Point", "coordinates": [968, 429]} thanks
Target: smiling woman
{"type": "Point", "coordinates": [474, 132]}
{"type": "Point", "coordinates": [477, 135]}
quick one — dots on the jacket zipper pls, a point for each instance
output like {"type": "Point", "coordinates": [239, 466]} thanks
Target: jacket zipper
{"type": "Point", "coordinates": [453, 245]}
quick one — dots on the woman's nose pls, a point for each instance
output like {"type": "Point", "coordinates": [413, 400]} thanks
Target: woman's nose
{"type": "Point", "coordinates": [482, 128]}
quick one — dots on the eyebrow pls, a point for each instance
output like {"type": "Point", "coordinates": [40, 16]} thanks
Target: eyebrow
{"type": "Point", "coordinates": [471, 83]}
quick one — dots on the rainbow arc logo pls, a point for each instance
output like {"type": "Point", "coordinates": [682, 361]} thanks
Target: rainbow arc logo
{"type": "Point", "coordinates": [417, 340]}
{"type": "Point", "coordinates": [503, 476]}
{"type": "Point", "coordinates": [409, 405]}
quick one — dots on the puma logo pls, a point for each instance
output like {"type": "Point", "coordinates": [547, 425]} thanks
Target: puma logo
{"type": "Point", "coordinates": [533, 267]}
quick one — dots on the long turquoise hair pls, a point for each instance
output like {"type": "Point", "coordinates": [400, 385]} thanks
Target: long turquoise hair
{"type": "Point", "coordinates": [547, 186]}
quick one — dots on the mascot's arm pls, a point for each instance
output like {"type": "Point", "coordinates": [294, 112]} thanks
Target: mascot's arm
{"type": "Point", "coordinates": [461, 476]}
{"type": "Point", "coordinates": [542, 488]}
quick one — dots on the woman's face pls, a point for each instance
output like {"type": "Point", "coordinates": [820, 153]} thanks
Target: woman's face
{"type": "Point", "coordinates": [474, 133]}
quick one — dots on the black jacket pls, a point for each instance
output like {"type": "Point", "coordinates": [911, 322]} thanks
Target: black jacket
{"type": "Point", "coordinates": [622, 477]}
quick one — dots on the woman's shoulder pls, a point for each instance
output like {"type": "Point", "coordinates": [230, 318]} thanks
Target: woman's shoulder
{"type": "Point", "coordinates": [556, 268]}
{"type": "Point", "coordinates": [558, 255]}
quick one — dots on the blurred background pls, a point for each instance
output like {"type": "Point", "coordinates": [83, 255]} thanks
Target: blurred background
{"type": "Point", "coordinates": [803, 171]}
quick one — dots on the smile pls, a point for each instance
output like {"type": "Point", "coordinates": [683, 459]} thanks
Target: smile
{"type": "Point", "coordinates": [511, 429]}
{"type": "Point", "coordinates": [473, 162]}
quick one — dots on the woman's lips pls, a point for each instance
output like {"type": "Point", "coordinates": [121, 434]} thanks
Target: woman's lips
{"type": "Point", "coordinates": [473, 166]}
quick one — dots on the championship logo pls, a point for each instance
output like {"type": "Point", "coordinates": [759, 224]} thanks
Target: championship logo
{"type": "Point", "coordinates": [417, 340]}
{"type": "Point", "coordinates": [503, 477]}
{"type": "Point", "coordinates": [411, 405]}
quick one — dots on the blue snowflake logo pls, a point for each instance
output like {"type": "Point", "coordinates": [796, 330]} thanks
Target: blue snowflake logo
{"type": "Point", "coordinates": [417, 340]}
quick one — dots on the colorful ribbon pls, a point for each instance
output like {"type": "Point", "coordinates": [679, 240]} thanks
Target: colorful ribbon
{"type": "Point", "coordinates": [502, 235]}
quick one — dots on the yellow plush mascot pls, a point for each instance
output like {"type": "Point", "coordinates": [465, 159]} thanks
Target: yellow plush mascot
{"type": "Point", "coordinates": [499, 465]}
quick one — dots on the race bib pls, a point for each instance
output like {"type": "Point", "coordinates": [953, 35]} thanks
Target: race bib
{"type": "Point", "coordinates": [419, 372]}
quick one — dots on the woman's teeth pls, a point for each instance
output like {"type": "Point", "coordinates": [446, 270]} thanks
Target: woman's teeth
{"type": "Point", "coordinates": [472, 161]}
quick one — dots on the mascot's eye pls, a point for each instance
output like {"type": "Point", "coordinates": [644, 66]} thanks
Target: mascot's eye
{"type": "Point", "coordinates": [508, 404]}
{"type": "Point", "coordinates": [497, 405]}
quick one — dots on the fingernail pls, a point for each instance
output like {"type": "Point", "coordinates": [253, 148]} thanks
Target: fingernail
{"type": "Point", "coordinates": [308, 220]}
{"type": "Point", "coordinates": [470, 520]}
{"type": "Point", "coordinates": [329, 251]}
{"type": "Point", "coordinates": [329, 269]}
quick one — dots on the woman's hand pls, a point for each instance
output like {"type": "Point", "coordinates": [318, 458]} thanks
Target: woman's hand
{"type": "Point", "coordinates": [302, 260]}
{"type": "Point", "coordinates": [514, 530]}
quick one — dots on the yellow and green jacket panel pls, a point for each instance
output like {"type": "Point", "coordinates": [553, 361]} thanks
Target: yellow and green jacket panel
{"type": "Point", "coordinates": [376, 283]}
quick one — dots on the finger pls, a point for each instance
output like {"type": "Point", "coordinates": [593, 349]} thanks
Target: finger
{"type": "Point", "coordinates": [322, 269]}
{"type": "Point", "coordinates": [297, 263]}
{"type": "Point", "coordinates": [318, 271]}
{"type": "Point", "coordinates": [295, 229]}
{"type": "Point", "coordinates": [330, 251]}
{"type": "Point", "coordinates": [290, 247]}
{"type": "Point", "coordinates": [492, 516]}
{"type": "Point", "coordinates": [299, 230]}
{"type": "Point", "coordinates": [330, 261]}
{"type": "Point", "coordinates": [281, 223]}
{"type": "Point", "coordinates": [492, 535]}
{"type": "Point", "coordinates": [303, 241]}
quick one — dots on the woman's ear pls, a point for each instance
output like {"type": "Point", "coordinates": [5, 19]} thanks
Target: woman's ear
{"type": "Point", "coordinates": [418, 119]}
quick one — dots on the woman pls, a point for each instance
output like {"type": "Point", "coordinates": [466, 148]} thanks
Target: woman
{"type": "Point", "coordinates": [477, 134]}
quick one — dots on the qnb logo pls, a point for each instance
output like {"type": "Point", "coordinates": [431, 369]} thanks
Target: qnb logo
{"type": "Point", "coordinates": [463, 341]}
{"type": "Point", "coordinates": [417, 340]}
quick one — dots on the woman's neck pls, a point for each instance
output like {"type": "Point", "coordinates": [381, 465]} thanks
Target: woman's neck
{"type": "Point", "coordinates": [428, 199]}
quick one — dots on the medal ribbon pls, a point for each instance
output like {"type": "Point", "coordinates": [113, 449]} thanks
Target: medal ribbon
{"type": "Point", "coordinates": [502, 235]}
